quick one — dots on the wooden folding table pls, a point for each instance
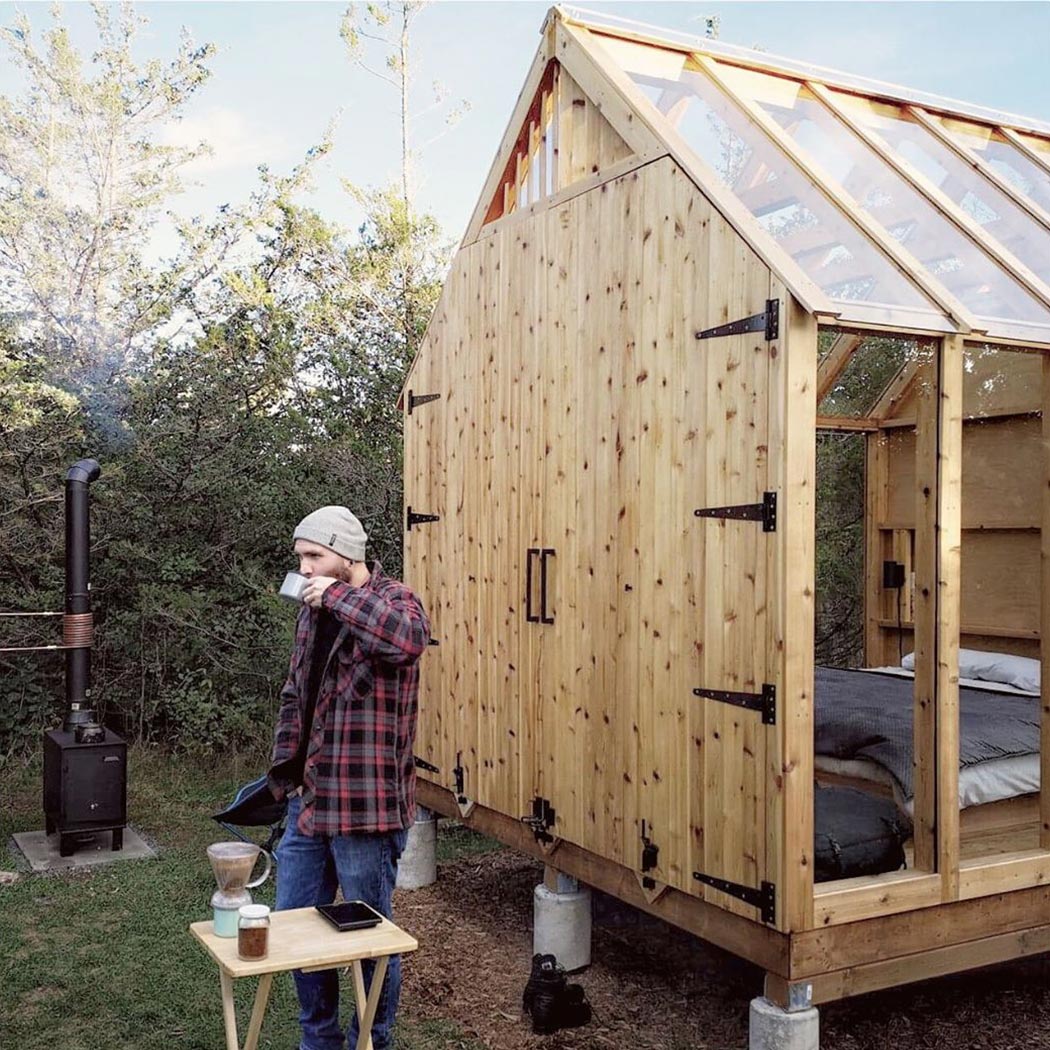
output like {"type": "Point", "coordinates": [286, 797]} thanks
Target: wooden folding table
{"type": "Point", "coordinates": [302, 940]}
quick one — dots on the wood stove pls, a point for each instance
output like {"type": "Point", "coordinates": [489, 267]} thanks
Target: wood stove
{"type": "Point", "coordinates": [85, 764]}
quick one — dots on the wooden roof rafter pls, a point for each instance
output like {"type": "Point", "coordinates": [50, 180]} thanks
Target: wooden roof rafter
{"type": "Point", "coordinates": [573, 40]}
{"type": "Point", "coordinates": [835, 362]}
{"type": "Point", "coordinates": [940, 200]}
{"type": "Point", "coordinates": [910, 267]}
{"type": "Point", "coordinates": [978, 163]}
{"type": "Point", "coordinates": [896, 390]}
{"type": "Point", "coordinates": [1041, 160]}
{"type": "Point", "coordinates": [506, 152]}
{"type": "Point", "coordinates": [776, 65]}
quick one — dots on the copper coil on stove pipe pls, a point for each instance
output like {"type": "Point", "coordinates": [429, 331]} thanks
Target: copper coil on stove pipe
{"type": "Point", "coordinates": [78, 630]}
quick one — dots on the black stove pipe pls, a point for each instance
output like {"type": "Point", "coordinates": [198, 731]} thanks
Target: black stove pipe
{"type": "Point", "coordinates": [77, 623]}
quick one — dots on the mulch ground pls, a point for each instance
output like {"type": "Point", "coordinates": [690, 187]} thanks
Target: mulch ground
{"type": "Point", "coordinates": [655, 988]}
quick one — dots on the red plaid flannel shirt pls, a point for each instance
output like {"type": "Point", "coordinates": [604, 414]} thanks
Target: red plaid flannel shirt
{"type": "Point", "coordinates": [360, 773]}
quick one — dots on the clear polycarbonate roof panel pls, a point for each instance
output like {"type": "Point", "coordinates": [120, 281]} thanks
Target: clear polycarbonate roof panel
{"type": "Point", "coordinates": [603, 22]}
{"type": "Point", "coordinates": [947, 254]}
{"type": "Point", "coordinates": [1004, 158]}
{"type": "Point", "coordinates": [873, 366]}
{"type": "Point", "coordinates": [1037, 145]}
{"type": "Point", "coordinates": [829, 248]}
{"type": "Point", "coordinates": [981, 199]}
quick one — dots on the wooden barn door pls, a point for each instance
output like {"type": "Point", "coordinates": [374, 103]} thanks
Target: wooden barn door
{"type": "Point", "coordinates": [675, 620]}
{"type": "Point", "coordinates": [442, 547]}
{"type": "Point", "coordinates": [424, 491]}
{"type": "Point", "coordinates": [503, 735]}
{"type": "Point", "coordinates": [550, 517]}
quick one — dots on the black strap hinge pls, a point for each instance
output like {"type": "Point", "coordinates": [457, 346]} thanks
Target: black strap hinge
{"type": "Point", "coordinates": [419, 399]}
{"type": "Point", "coordinates": [420, 519]}
{"type": "Point", "coordinates": [766, 701]}
{"type": "Point", "coordinates": [423, 764]}
{"type": "Point", "coordinates": [764, 898]}
{"type": "Point", "coordinates": [768, 321]}
{"type": "Point", "coordinates": [433, 641]}
{"type": "Point", "coordinates": [765, 512]}
{"type": "Point", "coordinates": [461, 777]}
{"type": "Point", "coordinates": [541, 819]}
{"type": "Point", "coordinates": [650, 855]}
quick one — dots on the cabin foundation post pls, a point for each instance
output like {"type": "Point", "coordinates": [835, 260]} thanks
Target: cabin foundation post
{"type": "Point", "coordinates": [561, 920]}
{"type": "Point", "coordinates": [773, 1027]}
{"type": "Point", "coordinates": [418, 864]}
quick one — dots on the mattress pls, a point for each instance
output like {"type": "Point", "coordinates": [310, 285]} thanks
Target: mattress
{"type": "Point", "coordinates": [990, 781]}
{"type": "Point", "coordinates": [999, 745]}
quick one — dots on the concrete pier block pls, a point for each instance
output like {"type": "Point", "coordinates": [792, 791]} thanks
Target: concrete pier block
{"type": "Point", "coordinates": [562, 922]}
{"type": "Point", "coordinates": [773, 1028]}
{"type": "Point", "coordinates": [418, 865]}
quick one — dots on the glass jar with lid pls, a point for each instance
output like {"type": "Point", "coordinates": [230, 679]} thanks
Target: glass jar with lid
{"type": "Point", "coordinates": [253, 931]}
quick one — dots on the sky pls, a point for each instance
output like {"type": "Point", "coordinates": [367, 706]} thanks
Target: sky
{"type": "Point", "coordinates": [282, 74]}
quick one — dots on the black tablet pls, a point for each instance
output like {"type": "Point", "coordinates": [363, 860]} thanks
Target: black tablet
{"type": "Point", "coordinates": [350, 915]}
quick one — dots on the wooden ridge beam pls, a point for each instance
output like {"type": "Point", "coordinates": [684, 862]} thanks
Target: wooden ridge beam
{"type": "Point", "coordinates": [863, 87]}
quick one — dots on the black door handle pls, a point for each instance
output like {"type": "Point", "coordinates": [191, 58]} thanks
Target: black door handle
{"type": "Point", "coordinates": [544, 618]}
{"type": "Point", "coordinates": [530, 616]}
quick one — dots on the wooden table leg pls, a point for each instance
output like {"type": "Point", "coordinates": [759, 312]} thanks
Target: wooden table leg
{"type": "Point", "coordinates": [367, 1004]}
{"type": "Point", "coordinates": [262, 997]}
{"type": "Point", "coordinates": [229, 1015]}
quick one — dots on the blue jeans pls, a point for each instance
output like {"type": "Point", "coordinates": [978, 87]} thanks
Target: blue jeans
{"type": "Point", "coordinates": [364, 866]}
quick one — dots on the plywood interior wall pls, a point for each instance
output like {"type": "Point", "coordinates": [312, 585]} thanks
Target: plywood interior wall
{"type": "Point", "coordinates": [1002, 449]}
{"type": "Point", "coordinates": [579, 414]}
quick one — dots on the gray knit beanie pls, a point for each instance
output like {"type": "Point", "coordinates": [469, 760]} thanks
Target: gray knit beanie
{"type": "Point", "coordinates": [335, 528]}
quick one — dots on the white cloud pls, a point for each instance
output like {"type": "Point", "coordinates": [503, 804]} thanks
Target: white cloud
{"type": "Point", "coordinates": [235, 140]}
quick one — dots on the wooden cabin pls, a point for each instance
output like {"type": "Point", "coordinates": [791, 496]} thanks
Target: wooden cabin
{"type": "Point", "coordinates": [736, 393]}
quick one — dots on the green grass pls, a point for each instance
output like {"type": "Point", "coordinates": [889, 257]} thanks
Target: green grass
{"type": "Point", "coordinates": [100, 958]}
{"type": "Point", "coordinates": [455, 841]}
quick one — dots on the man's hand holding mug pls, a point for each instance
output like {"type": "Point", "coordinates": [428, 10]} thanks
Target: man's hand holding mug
{"type": "Point", "coordinates": [315, 588]}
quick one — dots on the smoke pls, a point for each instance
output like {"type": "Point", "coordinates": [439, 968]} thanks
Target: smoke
{"type": "Point", "coordinates": [90, 360]}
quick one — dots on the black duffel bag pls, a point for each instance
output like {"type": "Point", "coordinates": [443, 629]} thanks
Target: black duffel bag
{"type": "Point", "coordinates": [856, 833]}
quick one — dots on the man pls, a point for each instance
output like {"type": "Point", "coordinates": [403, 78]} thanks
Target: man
{"type": "Point", "coordinates": [343, 750]}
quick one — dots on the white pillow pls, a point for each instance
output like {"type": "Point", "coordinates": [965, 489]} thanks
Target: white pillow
{"type": "Point", "coordinates": [1022, 672]}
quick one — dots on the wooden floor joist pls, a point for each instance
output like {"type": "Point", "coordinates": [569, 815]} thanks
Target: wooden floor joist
{"type": "Point", "coordinates": [750, 940]}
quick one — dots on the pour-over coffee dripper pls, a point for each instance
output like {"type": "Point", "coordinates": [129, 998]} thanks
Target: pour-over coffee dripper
{"type": "Point", "coordinates": [232, 863]}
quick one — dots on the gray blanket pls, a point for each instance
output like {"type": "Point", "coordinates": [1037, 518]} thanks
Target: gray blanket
{"type": "Point", "coordinates": [861, 714]}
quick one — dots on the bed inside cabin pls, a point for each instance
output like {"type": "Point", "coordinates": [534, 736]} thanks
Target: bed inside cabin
{"type": "Point", "coordinates": [877, 433]}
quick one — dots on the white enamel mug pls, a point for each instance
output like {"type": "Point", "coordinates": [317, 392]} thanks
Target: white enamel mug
{"type": "Point", "coordinates": [293, 586]}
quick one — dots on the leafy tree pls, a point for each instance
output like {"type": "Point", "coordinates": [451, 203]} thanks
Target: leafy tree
{"type": "Point", "coordinates": [40, 427]}
{"type": "Point", "coordinates": [272, 391]}
{"type": "Point", "coordinates": [83, 176]}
